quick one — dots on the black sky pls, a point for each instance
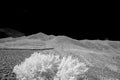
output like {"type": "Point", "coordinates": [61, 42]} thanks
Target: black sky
{"type": "Point", "coordinates": [80, 23]}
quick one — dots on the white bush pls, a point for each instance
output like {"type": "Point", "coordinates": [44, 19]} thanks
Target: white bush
{"type": "Point", "coordinates": [65, 68]}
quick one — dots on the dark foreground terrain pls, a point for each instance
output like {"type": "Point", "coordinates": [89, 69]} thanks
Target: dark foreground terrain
{"type": "Point", "coordinates": [8, 59]}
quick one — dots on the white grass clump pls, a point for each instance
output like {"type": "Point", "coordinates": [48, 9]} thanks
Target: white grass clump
{"type": "Point", "coordinates": [67, 68]}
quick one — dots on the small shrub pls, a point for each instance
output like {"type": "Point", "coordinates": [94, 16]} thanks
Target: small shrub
{"type": "Point", "coordinates": [49, 67]}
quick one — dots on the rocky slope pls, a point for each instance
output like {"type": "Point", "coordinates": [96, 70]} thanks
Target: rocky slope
{"type": "Point", "coordinates": [102, 57]}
